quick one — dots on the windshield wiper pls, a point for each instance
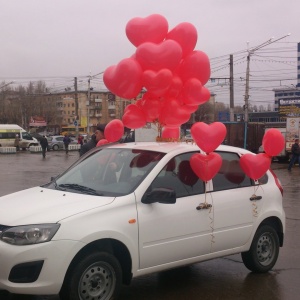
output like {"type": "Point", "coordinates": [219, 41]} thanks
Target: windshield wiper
{"type": "Point", "coordinates": [58, 187]}
{"type": "Point", "coordinates": [80, 188]}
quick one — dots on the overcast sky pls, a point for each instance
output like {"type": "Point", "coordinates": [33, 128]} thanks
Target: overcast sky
{"type": "Point", "coordinates": [60, 39]}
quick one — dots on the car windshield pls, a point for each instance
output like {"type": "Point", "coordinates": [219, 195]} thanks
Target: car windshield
{"type": "Point", "coordinates": [108, 172]}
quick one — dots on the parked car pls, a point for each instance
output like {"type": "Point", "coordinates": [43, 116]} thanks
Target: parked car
{"type": "Point", "coordinates": [126, 210]}
{"type": "Point", "coordinates": [188, 136]}
{"type": "Point", "coordinates": [55, 142]}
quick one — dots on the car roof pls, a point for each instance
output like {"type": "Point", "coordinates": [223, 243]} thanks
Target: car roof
{"type": "Point", "coordinates": [173, 146]}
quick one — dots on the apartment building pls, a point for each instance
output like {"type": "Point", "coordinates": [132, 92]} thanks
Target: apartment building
{"type": "Point", "coordinates": [93, 107]}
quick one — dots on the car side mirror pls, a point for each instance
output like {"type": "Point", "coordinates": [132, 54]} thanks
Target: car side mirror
{"type": "Point", "coordinates": [159, 195]}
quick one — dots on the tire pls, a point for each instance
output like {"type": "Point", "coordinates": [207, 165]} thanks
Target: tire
{"type": "Point", "coordinates": [96, 276]}
{"type": "Point", "coordinates": [55, 147]}
{"type": "Point", "coordinates": [264, 250]}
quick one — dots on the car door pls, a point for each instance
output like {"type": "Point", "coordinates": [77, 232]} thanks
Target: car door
{"type": "Point", "coordinates": [174, 232]}
{"type": "Point", "coordinates": [233, 210]}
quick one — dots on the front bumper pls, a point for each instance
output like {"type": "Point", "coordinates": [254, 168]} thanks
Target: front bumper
{"type": "Point", "coordinates": [55, 256]}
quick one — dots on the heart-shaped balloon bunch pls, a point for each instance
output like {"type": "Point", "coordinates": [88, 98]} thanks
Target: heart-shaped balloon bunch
{"type": "Point", "coordinates": [164, 64]}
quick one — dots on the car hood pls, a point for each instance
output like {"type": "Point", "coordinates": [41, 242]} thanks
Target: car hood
{"type": "Point", "coordinates": [40, 205]}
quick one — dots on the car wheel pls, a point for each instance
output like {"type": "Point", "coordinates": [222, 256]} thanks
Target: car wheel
{"type": "Point", "coordinates": [55, 147]}
{"type": "Point", "coordinates": [96, 276]}
{"type": "Point", "coordinates": [264, 250]}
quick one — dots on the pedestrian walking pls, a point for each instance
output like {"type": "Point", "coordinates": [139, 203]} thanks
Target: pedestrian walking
{"type": "Point", "coordinates": [66, 141]}
{"type": "Point", "coordinates": [44, 145]}
{"type": "Point", "coordinates": [80, 140]}
{"type": "Point", "coordinates": [295, 154]}
{"type": "Point", "coordinates": [17, 142]}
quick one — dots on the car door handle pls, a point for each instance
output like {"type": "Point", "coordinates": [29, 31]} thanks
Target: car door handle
{"type": "Point", "coordinates": [203, 206]}
{"type": "Point", "coordinates": [254, 197]}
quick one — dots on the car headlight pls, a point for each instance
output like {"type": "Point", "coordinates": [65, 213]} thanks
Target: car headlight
{"type": "Point", "coordinates": [29, 234]}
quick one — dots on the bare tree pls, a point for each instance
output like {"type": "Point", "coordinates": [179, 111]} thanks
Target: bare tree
{"type": "Point", "coordinates": [204, 112]}
{"type": "Point", "coordinates": [18, 105]}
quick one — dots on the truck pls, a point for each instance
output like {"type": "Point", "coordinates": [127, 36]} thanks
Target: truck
{"type": "Point", "coordinates": [246, 135]}
{"type": "Point", "coordinates": [236, 132]}
{"type": "Point", "coordinates": [292, 132]}
{"type": "Point", "coordinates": [147, 133]}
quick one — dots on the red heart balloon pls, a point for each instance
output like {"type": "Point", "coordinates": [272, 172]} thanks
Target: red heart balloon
{"type": "Point", "coordinates": [196, 65]}
{"type": "Point", "coordinates": [124, 79]}
{"type": "Point", "coordinates": [133, 117]}
{"type": "Point", "coordinates": [175, 87]}
{"type": "Point", "coordinates": [206, 166]}
{"type": "Point", "coordinates": [166, 55]}
{"type": "Point", "coordinates": [102, 142]}
{"type": "Point", "coordinates": [185, 34]}
{"type": "Point", "coordinates": [189, 108]}
{"type": "Point", "coordinates": [273, 142]}
{"type": "Point", "coordinates": [191, 92]}
{"type": "Point", "coordinates": [172, 113]}
{"type": "Point", "coordinates": [153, 28]}
{"type": "Point", "coordinates": [157, 83]}
{"type": "Point", "coordinates": [151, 108]}
{"type": "Point", "coordinates": [205, 95]}
{"type": "Point", "coordinates": [208, 137]}
{"type": "Point", "coordinates": [255, 165]}
{"type": "Point", "coordinates": [170, 132]}
{"type": "Point", "coordinates": [114, 130]}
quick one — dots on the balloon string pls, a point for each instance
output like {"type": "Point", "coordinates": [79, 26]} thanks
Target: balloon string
{"type": "Point", "coordinates": [254, 206]}
{"type": "Point", "coordinates": [254, 209]}
{"type": "Point", "coordinates": [211, 217]}
{"type": "Point", "coordinates": [205, 194]}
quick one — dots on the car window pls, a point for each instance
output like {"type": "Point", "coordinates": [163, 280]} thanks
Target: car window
{"type": "Point", "coordinates": [109, 172]}
{"type": "Point", "coordinates": [230, 176]}
{"type": "Point", "coordinates": [26, 136]}
{"type": "Point", "coordinates": [178, 175]}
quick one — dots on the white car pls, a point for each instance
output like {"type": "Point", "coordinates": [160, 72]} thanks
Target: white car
{"type": "Point", "coordinates": [127, 210]}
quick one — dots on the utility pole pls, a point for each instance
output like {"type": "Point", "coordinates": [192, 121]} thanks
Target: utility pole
{"type": "Point", "coordinates": [76, 106]}
{"type": "Point", "coordinates": [76, 98]}
{"type": "Point", "coordinates": [247, 89]}
{"type": "Point", "coordinates": [88, 105]}
{"type": "Point", "coordinates": [231, 106]}
{"type": "Point", "coordinates": [250, 52]}
{"type": "Point", "coordinates": [231, 96]}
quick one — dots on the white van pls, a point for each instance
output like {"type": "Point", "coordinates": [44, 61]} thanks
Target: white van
{"type": "Point", "coordinates": [8, 133]}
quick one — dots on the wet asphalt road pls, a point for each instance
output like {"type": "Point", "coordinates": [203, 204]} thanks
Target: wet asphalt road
{"type": "Point", "coordinates": [225, 278]}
